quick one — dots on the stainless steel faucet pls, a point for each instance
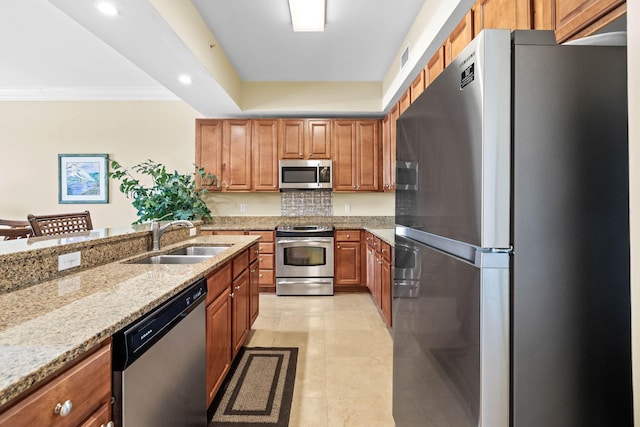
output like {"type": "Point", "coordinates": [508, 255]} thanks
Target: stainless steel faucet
{"type": "Point", "coordinates": [158, 231]}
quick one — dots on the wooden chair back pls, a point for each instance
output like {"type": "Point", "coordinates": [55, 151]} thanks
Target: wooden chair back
{"type": "Point", "coordinates": [49, 225]}
{"type": "Point", "coordinates": [14, 229]}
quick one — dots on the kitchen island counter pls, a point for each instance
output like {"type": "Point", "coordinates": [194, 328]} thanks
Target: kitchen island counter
{"type": "Point", "coordinates": [47, 325]}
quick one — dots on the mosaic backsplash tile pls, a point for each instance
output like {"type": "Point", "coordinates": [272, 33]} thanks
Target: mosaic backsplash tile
{"type": "Point", "coordinates": [306, 203]}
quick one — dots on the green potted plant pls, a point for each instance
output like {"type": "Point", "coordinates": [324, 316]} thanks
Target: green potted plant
{"type": "Point", "coordinates": [170, 196]}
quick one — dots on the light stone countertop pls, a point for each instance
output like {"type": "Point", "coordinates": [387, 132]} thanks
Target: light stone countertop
{"type": "Point", "coordinates": [44, 326]}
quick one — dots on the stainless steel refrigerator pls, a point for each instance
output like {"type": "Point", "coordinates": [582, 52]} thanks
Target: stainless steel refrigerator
{"type": "Point", "coordinates": [511, 300]}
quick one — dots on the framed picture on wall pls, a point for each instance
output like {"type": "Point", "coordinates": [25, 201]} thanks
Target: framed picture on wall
{"type": "Point", "coordinates": [82, 178]}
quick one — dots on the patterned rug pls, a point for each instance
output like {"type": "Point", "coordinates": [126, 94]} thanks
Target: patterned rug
{"type": "Point", "coordinates": [258, 390]}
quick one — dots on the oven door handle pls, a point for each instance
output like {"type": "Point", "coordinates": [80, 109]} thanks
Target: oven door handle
{"type": "Point", "coordinates": [311, 240]}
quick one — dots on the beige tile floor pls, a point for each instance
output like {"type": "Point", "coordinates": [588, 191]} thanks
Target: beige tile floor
{"type": "Point", "coordinates": [343, 375]}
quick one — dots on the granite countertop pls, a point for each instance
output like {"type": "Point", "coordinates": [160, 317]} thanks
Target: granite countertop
{"type": "Point", "coordinates": [44, 326]}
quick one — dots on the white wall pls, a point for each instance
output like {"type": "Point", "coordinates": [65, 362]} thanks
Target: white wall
{"type": "Point", "coordinates": [32, 134]}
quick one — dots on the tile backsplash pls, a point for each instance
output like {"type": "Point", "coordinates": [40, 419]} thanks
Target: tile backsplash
{"type": "Point", "coordinates": [306, 203]}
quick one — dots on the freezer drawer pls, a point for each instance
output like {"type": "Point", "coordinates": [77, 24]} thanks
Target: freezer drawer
{"type": "Point", "coordinates": [450, 343]}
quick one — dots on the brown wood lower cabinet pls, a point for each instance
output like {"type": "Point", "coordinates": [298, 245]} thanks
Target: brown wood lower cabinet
{"type": "Point", "coordinates": [87, 384]}
{"type": "Point", "coordinates": [378, 269]}
{"type": "Point", "coordinates": [347, 259]}
{"type": "Point", "coordinates": [218, 329]}
{"type": "Point", "coordinates": [254, 292]}
{"type": "Point", "coordinates": [240, 311]}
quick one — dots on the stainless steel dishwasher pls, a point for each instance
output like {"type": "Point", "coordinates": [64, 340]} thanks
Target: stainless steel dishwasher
{"type": "Point", "coordinates": [159, 365]}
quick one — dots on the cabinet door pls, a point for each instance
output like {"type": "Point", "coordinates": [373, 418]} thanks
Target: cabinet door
{"type": "Point", "coordinates": [434, 67]}
{"type": "Point", "coordinates": [254, 291]}
{"type": "Point", "coordinates": [209, 150]}
{"type": "Point", "coordinates": [460, 37]}
{"type": "Point", "coordinates": [347, 264]}
{"type": "Point", "coordinates": [507, 14]}
{"type": "Point", "coordinates": [291, 138]}
{"type": "Point", "coordinates": [573, 16]}
{"type": "Point", "coordinates": [318, 139]}
{"type": "Point", "coordinates": [344, 155]}
{"type": "Point", "coordinates": [405, 101]}
{"type": "Point", "coordinates": [218, 343]}
{"type": "Point", "coordinates": [386, 152]}
{"type": "Point", "coordinates": [264, 147]}
{"type": "Point", "coordinates": [367, 149]}
{"type": "Point", "coordinates": [240, 311]}
{"type": "Point", "coordinates": [417, 87]}
{"type": "Point", "coordinates": [371, 261]}
{"type": "Point", "coordinates": [236, 166]}
{"type": "Point", "coordinates": [385, 292]}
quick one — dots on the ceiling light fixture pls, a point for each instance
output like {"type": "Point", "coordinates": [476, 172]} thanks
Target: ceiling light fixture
{"type": "Point", "coordinates": [107, 8]}
{"type": "Point", "coordinates": [184, 79]}
{"type": "Point", "coordinates": [307, 15]}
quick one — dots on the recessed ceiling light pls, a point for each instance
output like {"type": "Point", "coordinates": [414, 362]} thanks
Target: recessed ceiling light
{"type": "Point", "coordinates": [307, 15]}
{"type": "Point", "coordinates": [184, 79]}
{"type": "Point", "coordinates": [107, 8]}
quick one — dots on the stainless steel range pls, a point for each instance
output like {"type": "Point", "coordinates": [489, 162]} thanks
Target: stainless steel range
{"type": "Point", "coordinates": [304, 260]}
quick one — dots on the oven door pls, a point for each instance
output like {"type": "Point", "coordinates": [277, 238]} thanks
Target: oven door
{"type": "Point", "coordinates": [304, 257]}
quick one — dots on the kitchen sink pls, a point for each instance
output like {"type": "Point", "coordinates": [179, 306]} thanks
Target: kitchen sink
{"type": "Point", "coordinates": [199, 250]}
{"type": "Point", "coordinates": [187, 255]}
{"type": "Point", "coordinates": [173, 259]}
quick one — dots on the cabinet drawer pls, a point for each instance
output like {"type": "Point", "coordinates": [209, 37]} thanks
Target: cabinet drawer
{"type": "Point", "coordinates": [266, 236]}
{"type": "Point", "coordinates": [240, 263]}
{"type": "Point", "coordinates": [218, 282]}
{"type": "Point", "coordinates": [266, 261]}
{"type": "Point", "coordinates": [266, 277]}
{"type": "Point", "coordinates": [87, 385]}
{"type": "Point", "coordinates": [253, 253]}
{"type": "Point", "coordinates": [385, 249]}
{"type": "Point", "coordinates": [347, 235]}
{"type": "Point", "coordinates": [267, 248]}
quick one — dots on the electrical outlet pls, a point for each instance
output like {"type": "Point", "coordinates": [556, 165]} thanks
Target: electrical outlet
{"type": "Point", "coordinates": [193, 231]}
{"type": "Point", "coordinates": [69, 260]}
{"type": "Point", "coordinates": [242, 207]}
{"type": "Point", "coordinates": [347, 208]}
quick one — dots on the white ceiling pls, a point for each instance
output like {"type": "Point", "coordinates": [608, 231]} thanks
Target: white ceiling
{"type": "Point", "coordinates": [62, 49]}
{"type": "Point", "coordinates": [360, 39]}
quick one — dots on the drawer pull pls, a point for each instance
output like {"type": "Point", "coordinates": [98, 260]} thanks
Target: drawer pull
{"type": "Point", "coordinates": [237, 288]}
{"type": "Point", "coordinates": [63, 409]}
{"type": "Point", "coordinates": [109, 424]}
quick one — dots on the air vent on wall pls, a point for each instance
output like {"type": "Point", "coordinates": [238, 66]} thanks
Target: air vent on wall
{"type": "Point", "coordinates": [404, 58]}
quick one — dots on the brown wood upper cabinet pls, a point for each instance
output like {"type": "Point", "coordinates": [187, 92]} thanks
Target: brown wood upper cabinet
{"type": "Point", "coordinates": [223, 148]}
{"type": "Point", "coordinates": [389, 149]}
{"type": "Point", "coordinates": [577, 18]}
{"type": "Point", "coordinates": [508, 14]}
{"type": "Point", "coordinates": [356, 145]}
{"type": "Point", "coordinates": [417, 87]}
{"type": "Point", "coordinates": [264, 149]}
{"type": "Point", "coordinates": [460, 37]}
{"type": "Point", "coordinates": [305, 139]}
{"type": "Point", "coordinates": [434, 67]}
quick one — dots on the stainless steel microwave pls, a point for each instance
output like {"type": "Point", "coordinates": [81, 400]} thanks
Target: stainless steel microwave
{"type": "Point", "coordinates": [305, 174]}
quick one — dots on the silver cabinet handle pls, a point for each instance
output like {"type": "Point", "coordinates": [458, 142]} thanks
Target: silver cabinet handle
{"type": "Point", "coordinates": [63, 409]}
{"type": "Point", "coordinates": [237, 288]}
{"type": "Point", "coordinates": [109, 424]}
{"type": "Point", "coordinates": [232, 295]}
